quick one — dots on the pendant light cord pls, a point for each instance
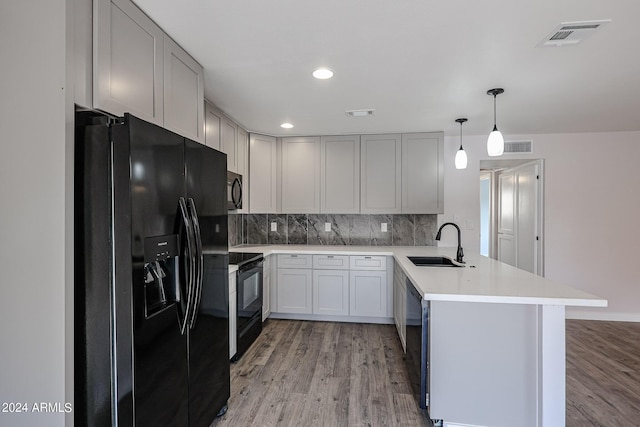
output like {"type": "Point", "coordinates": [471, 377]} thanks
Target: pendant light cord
{"type": "Point", "coordinates": [461, 135]}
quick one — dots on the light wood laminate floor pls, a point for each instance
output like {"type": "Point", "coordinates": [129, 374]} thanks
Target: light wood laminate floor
{"type": "Point", "coordinates": [341, 374]}
{"type": "Point", "coordinates": [302, 373]}
{"type": "Point", "coordinates": [603, 373]}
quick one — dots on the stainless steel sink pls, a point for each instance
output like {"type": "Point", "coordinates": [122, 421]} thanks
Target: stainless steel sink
{"type": "Point", "coordinates": [433, 261]}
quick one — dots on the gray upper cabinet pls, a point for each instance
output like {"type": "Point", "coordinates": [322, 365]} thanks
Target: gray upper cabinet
{"type": "Point", "coordinates": [128, 61]}
{"type": "Point", "coordinates": [423, 173]}
{"type": "Point", "coordinates": [228, 143]}
{"type": "Point", "coordinates": [225, 135]}
{"type": "Point", "coordinates": [212, 126]}
{"type": "Point", "coordinates": [243, 166]}
{"type": "Point", "coordinates": [138, 69]}
{"type": "Point", "coordinates": [380, 174]}
{"type": "Point", "coordinates": [371, 174]}
{"type": "Point", "coordinates": [263, 175]}
{"type": "Point", "coordinates": [340, 174]}
{"type": "Point", "coordinates": [183, 92]}
{"type": "Point", "coordinates": [301, 175]}
{"type": "Point", "coordinates": [83, 52]}
{"type": "Point", "coordinates": [242, 142]}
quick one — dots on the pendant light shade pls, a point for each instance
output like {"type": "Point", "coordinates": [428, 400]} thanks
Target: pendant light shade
{"type": "Point", "coordinates": [461, 155]}
{"type": "Point", "coordinates": [461, 159]}
{"type": "Point", "coordinates": [495, 143]}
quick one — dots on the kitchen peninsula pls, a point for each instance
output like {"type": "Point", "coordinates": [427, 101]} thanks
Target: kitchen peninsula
{"type": "Point", "coordinates": [496, 333]}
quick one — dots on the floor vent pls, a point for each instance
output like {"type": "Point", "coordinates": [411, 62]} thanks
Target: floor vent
{"type": "Point", "coordinates": [570, 33]}
{"type": "Point", "coordinates": [518, 147]}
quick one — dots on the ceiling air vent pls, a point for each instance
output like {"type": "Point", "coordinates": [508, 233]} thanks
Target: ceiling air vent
{"type": "Point", "coordinates": [518, 147]}
{"type": "Point", "coordinates": [570, 33]}
{"type": "Point", "coordinates": [360, 113]}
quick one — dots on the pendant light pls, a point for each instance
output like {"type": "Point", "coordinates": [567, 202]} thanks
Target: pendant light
{"type": "Point", "coordinates": [461, 155]}
{"type": "Point", "coordinates": [495, 143]}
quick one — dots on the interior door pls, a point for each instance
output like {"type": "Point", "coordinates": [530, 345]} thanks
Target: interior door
{"type": "Point", "coordinates": [507, 218]}
{"type": "Point", "coordinates": [527, 203]}
{"type": "Point", "coordinates": [520, 217]}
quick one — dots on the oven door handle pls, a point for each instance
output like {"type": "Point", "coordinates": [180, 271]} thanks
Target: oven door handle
{"type": "Point", "coordinates": [188, 263]}
{"type": "Point", "coordinates": [199, 263]}
{"type": "Point", "coordinates": [251, 265]}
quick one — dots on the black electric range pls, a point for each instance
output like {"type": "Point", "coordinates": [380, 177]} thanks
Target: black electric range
{"type": "Point", "coordinates": [249, 279]}
{"type": "Point", "coordinates": [242, 258]}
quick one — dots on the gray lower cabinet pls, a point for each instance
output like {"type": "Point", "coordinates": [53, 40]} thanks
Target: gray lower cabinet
{"type": "Point", "coordinates": [233, 311]}
{"type": "Point", "coordinates": [368, 293]}
{"type": "Point", "coordinates": [266, 287]}
{"type": "Point", "coordinates": [294, 291]}
{"type": "Point", "coordinates": [400, 303]}
{"type": "Point", "coordinates": [331, 292]}
{"type": "Point", "coordinates": [338, 287]}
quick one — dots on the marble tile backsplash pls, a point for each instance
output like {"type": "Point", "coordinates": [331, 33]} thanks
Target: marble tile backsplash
{"type": "Point", "coordinates": [345, 229]}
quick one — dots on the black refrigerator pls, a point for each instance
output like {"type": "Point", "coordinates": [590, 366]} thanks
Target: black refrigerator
{"type": "Point", "coordinates": [151, 276]}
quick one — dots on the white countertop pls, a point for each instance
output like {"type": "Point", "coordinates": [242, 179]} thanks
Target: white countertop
{"type": "Point", "coordinates": [481, 280]}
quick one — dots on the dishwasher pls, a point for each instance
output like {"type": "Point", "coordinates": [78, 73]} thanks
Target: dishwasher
{"type": "Point", "coordinates": [417, 357]}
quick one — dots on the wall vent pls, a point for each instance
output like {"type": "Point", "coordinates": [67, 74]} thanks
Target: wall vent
{"type": "Point", "coordinates": [518, 147]}
{"type": "Point", "coordinates": [360, 113]}
{"type": "Point", "coordinates": [570, 33]}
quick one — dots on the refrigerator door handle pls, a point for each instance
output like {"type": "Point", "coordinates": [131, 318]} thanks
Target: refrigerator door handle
{"type": "Point", "coordinates": [188, 263]}
{"type": "Point", "coordinates": [199, 263]}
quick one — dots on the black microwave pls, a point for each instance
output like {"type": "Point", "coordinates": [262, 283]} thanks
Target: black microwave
{"type": "Point", "coordinates": [234, 191]}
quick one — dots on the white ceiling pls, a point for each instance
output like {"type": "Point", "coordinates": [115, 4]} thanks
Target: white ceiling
{"type": "Point", "coordinates": [419, 63]}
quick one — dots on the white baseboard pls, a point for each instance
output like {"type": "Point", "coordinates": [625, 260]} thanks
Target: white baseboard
{"type": "Point", "coordinates": [446, 424]}
{"type": "Point", "coordinates": [327, 318]}
{"type": "Point", "coordinates": [586, 314]}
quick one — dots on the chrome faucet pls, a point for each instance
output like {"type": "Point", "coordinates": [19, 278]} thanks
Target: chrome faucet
{"type": "Point", "coordinates": [459, 254]}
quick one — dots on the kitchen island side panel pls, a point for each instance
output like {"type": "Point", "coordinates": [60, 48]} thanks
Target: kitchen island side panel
{"type": "Point", "coordinates": [484, 363]}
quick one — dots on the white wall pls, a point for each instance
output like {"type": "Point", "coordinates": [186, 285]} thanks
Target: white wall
{"type": "Point", "coordinates": [34, 233]}
{"type": "Point", "coordinates": [592, 206]}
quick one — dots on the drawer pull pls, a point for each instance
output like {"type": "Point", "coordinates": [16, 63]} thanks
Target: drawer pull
{"type": "Point", "coordinates": [294, 256]}
{"type": "Point", "coordinates": [330, 256]}
{"type": "Point", "coordinates": [367, 257]}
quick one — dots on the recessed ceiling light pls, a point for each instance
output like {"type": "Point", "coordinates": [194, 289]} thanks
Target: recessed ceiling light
{"type": "Point", "coordinates": [360, 113]}
{"type": "Point", "coordinates": [323, 73]}
{"type": "Point", "coordinates": [286, 125]}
